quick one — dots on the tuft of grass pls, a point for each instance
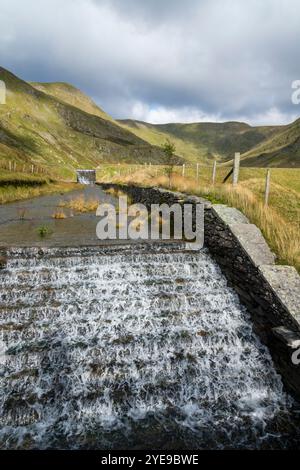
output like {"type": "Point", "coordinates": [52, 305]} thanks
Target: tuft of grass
{"type": "Point", "coordinates": [59, 214]}
{"type": "Point", "coordinates": [77, 204]}
{"type": "Point", "coordinates": [43, 231]}
{"type": "Point", "coordinates": [91, 205]}
{"type": "Point", "coordinates": [81, 204]}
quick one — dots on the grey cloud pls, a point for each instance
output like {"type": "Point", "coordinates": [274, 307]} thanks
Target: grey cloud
{"type": "Point", "coordinates": [223, 58]}
{"type": "Point", "coordinates": [154, 11]}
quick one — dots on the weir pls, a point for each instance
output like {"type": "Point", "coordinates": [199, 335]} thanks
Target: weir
{"type": "Point", "coordinates": [144, 346]}
{"type": "Point", "coordinates": [270, 292]}
{"type": "Point", "coordinates": [86, 176]}
{"type": "Point", "coordinates": [141, 346]}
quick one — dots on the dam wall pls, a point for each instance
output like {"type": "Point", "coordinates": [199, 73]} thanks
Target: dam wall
{"type": "Point", "coordinates": [86, 176]}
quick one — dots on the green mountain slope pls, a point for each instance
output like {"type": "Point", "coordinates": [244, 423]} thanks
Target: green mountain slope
{"type": "Point", "coordinates": [280, 150]}
{"type": "Point", "coordinates": [57, 126]}
{"type": "Point", "coordinates": [204, 141]}
{"type": "Point", "coordinates": [40, 128]}
{"type": "Point", "coordinates": [71, 95]}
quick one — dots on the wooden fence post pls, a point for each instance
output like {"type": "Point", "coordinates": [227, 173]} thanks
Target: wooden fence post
{"type": "Point", "coordinates": [214, 172]}
{"type": "Point", "coordinates": [236, 168]}
{"type": "Point", "coordinates": [267, 187]}
{"type": "Point", "coordinates": [197, 171]}
{"type": "Point", "coordinates": [183, 170]}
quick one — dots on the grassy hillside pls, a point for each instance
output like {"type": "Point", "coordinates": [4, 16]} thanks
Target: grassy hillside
{"type": "Point", "coordinates": [156, 136]}
{"type": "Point", "coordinates": [56, 126]}
{"type": "Point", "coordinates": [71, 95]}
{"type": "Point", "coordinates": [204, 142]}
{"type": "Point", "coordinates": [281, 150]}
{"type": "Point", "coordinates": [42, 129]}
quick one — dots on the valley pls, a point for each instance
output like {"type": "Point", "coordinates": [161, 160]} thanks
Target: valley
{"type": "Point", "coordinates": [58, 127]}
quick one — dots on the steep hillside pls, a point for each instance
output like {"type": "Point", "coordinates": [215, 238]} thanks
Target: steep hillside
{"type": "Point", "coordinates": [39, 128]}
{"type": "Point", "coordinates": [280, 150]}
{"type": "Point", "coordinates": [57, 126]}
{"type": "Point", "coordinates": [157, 136]}
{"type": "Point", "coordinates": [71, 95]}
{"type": "Point", "coordinates": [204, 141]}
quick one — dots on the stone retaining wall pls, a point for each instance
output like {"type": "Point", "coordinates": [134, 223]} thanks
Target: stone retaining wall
{"type": "Point", "coordinates": [270, 292]}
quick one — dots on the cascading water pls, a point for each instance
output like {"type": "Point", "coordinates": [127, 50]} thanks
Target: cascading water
{"type": "Point", "coordinates": [86, 176]}
{"type": "Point", "coordinates": [124, 350]}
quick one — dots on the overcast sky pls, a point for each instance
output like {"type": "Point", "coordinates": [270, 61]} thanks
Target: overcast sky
{"type": "Point", "coordinates": [162, 60]}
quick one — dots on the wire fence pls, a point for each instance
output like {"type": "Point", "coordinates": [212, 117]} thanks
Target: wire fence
{"type": "Point", "coordinates": [214, 174]}
{"type": "Point", "coordinates": [204, 174]}
{"type": "Point", "coordinates": [210, 174]}
{"type": "Point", "coordinates": [26, 168]}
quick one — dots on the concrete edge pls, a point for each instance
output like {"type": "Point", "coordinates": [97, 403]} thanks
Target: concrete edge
{"type": "Point", "coordinates": [284, 281]}
{"type": "Point", "coordinates": [248, 235]}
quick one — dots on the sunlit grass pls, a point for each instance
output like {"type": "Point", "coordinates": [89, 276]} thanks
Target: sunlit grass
{"type": "Point", "coordinates": [59, 214]}
{"type": "Point", "coordinates": [279, 222]}
{"type": "Point", "coordinates": [15, 192]}
{"type": "Point", "coordinates": [81, 204]}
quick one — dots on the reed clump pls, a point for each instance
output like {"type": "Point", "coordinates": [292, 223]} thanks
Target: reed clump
{"type": "Point", "coordinates": [81, 204]}
{"type": "Point", "coordinates": [59, 214]}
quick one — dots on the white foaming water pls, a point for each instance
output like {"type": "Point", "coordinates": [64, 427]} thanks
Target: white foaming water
{"type": "Point", "coordinates": [86, 176]}
{"type": "Point", "coordinates": [132, 350]}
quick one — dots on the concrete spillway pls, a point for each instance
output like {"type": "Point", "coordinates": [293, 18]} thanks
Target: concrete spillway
{"type": "Point", "coordinates": [86, 176]}
{"type": "Point", "coordinates": [114, 349]}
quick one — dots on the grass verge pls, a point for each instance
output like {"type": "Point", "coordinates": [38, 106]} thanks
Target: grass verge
{"type": "Point", "coordinates": [18, 187]}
